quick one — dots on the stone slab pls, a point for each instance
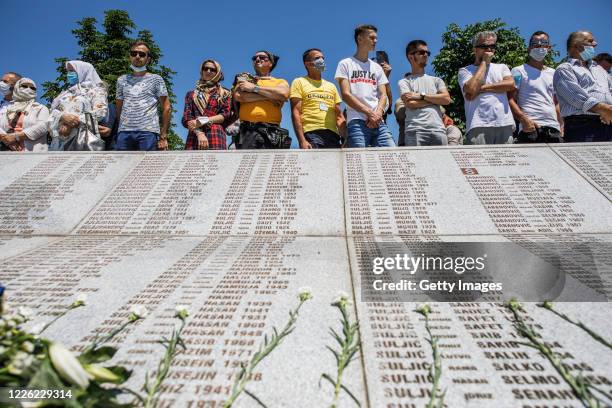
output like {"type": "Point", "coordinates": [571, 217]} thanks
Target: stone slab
{"type": "Point", "coordinates": [225, 193]}
{"type": "Point", "coordinates": [50, 194]}
{"type": "Point", "coordinates": [593, 162]}
{"type": "Point", "coordinates": [451, 191]}
{"type": "Point", "coordinates": [237, 288]}
{"type": "Point", "coordinates": [483, 363]}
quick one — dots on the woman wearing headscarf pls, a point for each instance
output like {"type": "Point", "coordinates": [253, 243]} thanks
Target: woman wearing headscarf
{"type": "Point", "coordinates": [23, 123]}
{"type": "Point", "coordinates": [75, 112]}
{"type": "Point", "coordinates": [207, 107]}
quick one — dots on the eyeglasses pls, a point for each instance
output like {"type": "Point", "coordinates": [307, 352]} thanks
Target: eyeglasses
{"type": "Point", "coordinates": [138, 54]}
{"type": "Point", "coordinates": [487, 46]}
{"type": "Point", "coordinates": [32, 87]}
{"type": "Point", "coordinates": [541, 43]}
{"type": "Point", "coordinates": [421, 52]}
{"type": "Point", "coordinates": [260, 57]}
{"type": "Point", "coordinates": [208, 69]}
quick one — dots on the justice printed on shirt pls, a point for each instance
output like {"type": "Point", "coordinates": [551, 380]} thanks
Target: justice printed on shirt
{"type": "Point", "coordinates": [359, 76]}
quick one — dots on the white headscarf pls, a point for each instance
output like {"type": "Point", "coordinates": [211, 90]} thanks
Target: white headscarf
{"type": "Point", "coordinates": [22, 98]}
{"type": "Point", "coordinates": [85, 71]}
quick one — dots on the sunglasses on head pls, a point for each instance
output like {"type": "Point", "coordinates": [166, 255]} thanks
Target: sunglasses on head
{"type": "Point", "coordinates": [260, 57]}
{"type": "Point", "coordinates": [421, 52]}
{"type": "Point", "coordinates": [138, 54]}
{"type": "Point", "coordinates": [32, 87]}
{"type": "Point", "coordinates": [487, 46]}
{"type": "Point", "coordinates": [208, 69]}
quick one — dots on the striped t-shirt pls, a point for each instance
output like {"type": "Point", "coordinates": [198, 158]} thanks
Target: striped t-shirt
{"type": "Point", "coordinates": [140, 96]}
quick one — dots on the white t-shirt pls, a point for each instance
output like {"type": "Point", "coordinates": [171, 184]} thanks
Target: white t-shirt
{"type": "Point", "coordinates": [535, 94]}
{"type": "Point", "coordinates": [364, 79]}
{"type": "Point", "coordinates": [489, 109]}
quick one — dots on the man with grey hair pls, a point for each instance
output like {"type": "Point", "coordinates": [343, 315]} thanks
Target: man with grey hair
{"type": "Point", "coordinates": [584, 91]}
{"type": "Point", "coordinates": [485, 85]}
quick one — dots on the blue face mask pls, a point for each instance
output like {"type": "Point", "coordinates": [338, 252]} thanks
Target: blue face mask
{"type": "Point", "coordinates": [72, 77]}
{"type": "Point", "coordinates": [588, 53]}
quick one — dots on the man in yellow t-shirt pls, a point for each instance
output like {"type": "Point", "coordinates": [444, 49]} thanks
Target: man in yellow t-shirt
{"type": "Point", "coordinates": [260, 106]}
{"type": "Point", "coordinates": [315, 106]}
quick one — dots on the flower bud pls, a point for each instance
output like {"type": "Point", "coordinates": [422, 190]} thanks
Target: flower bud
{"type": "Point", "coordinates": [182, 312]}
{"type": "Point", "coordinates": [67, 366]}
{"type": "Point", "coordinates": [102, 374]}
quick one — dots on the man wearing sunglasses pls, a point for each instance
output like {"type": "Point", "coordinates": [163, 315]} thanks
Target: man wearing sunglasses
{"type": "Point", "coordinates": [533, 103]}
{"type": "Point", "coordinates": [422, 95]}
{"type": "Point", "coordinates": [584, 90]}
{"type": "Point", "coordinates": [315, 106]}
{"type": "Point", "coordinates": [138, 96]}
{"type": "Point", "coordinates": [485, 85]}
{"type": "Point", "coordinates": [260, 106]}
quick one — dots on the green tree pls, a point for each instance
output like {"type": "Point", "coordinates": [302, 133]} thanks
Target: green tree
{"type": "Point", "coordinates": [108, 51]}
{"type": "Point", "coordinates": [457, 52]}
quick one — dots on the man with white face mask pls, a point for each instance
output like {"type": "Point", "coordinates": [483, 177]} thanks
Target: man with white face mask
{"type": "Point", "coordinates": [315, 106]}
{"type": "Point", "coordinates": [533, 103]}
{"type": "Point", "coordinates": [7, 83]}
{"type": "Point", "coordinates": [138, 96]}
{"type": "Point", "coordinates": [584, 91]}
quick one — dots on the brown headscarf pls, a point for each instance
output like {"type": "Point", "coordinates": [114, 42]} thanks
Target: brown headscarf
{"type": "Point", "coordinates": [204, 89]}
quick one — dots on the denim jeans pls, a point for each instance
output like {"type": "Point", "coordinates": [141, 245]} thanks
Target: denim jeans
{"type": "Point", "coordinates": [359, 135]}
{"type": "Point", "coordinates": [136, 140]}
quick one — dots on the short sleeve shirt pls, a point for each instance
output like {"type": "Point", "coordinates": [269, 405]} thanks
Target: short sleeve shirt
{"type": "Point", "coordinates": [265, 111]}
{"type": "Point", "coordinates": [364, 79]}
{"type": "Point", "coordinates": [428, 117]}
{"type": "Point", "coordinates": [140, 96]}
{"type": "Point", "coordinates": [319, 100]}
{"type": "Point", "coordinates": [488, 109]}
{"type": "Point", "coordinates": [536, 94]}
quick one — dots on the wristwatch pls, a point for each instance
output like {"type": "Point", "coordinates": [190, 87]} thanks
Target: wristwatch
{"type": "Point", "coordinates": [256, 89]}
{"type": "Point", "coordinates": [423, 95]}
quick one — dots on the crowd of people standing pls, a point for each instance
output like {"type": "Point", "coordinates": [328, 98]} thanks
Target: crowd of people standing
{"type": "Point", "coordinates": [572, 103]}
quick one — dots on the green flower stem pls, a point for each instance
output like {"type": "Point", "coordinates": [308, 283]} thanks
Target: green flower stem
{"type": "Point", "coordinates": [264, 350]}
{"type": "Point", "coordinates": [595, 336]}
{"type": "Point", "coordinates": [71, 307]}
{"type": "Point", "coordinates": [349, 346]}
{"type": "Point", "coordinates": [100, 341]}
{"type": "Point", "coordinates": [164, 366]}
{"type": "Point", "coordinates": [580, 386]}
{"type": "Point", "coordinates": [437, 399]}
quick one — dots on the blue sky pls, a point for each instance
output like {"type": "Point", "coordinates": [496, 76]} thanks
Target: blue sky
{"type": "Point", "coordinates": [189, 31]}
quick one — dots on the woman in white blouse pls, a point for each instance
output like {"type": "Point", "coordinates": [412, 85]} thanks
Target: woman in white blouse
{"type": "Point", "coordinates": [75, 112]}
{"type": "Point", "coordinates": [23, 123]}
